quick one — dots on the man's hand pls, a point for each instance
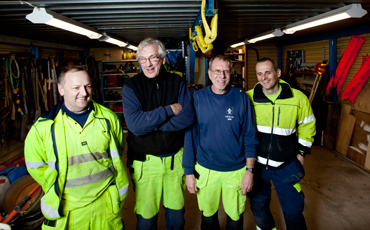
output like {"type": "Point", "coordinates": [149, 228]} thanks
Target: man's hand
{"type": "Point", "coordinates": [247, 182]}
{"type": "Point", "coordinates": [176, 108]}
{"type": "Point", "coordinates": [191, 184]}
{"type": "Point", "coordinates": [300, 158]}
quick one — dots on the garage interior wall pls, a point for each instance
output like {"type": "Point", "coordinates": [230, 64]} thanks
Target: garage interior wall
{"type": "Point", "coordinates": [266, 50]}
{"type": "Point", "coordinates": [313, 53]}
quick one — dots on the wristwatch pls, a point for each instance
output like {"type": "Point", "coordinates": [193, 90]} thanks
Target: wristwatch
{"type": "Point", "coordinates": [302, 153]}
{"type": "Point", "coordinates": [252, 170]}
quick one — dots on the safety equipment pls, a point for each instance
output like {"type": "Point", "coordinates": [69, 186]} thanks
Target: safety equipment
{"type": "Point", "coordinates": [51, 175]}
{"type": "Point", "coordinates": [346, 62]}
{"type": "Point", "coordinates": [199, 38]}
{"type": "Point", "coordinates": [204, 43]}
{"type": "Point", "coordinates": [210, 36]}
{"type": "Point", "coordinates": [358, 81]}
{"type": "Point", "coordinates": [193, 41]}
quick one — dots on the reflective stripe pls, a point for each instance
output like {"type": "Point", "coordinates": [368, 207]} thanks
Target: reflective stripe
{"type": "Point", "coordinates": [114, 153]}
{"type": "Point", "coordinates": [51, 165]}
{"type": "Point", "coordinates": [87, 157]}
{"type": "Point", "coordinates": [307, 119]}
{"type": "Point", "coordinates": [277, 131]}
{"type": "Point", "coordinates": [89, 179]}
{"type": "Point", "coordinates": [35, 165]}
{"type": "Point", "coordinates": [123, 191]}
{"type": "Point", "coordinates": [272, 163]}
{"type": "Point", "coordinates": [304, 142]}
{"type": "Point", "coordinates": [48, 210]}
{"type": "Point", "coordinates": [297, 186]}
{"type": "Point", "coordinates": [258, 228]}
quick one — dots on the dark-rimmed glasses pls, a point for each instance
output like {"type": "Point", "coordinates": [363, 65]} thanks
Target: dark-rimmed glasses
{"type": "Point", "coordinates": [153, 59]}
{"type": "Point", "coordinates": [218, 72]}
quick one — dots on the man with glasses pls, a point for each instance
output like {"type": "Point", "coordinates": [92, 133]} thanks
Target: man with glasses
{"type": "Point", "coordinates": [157, 108]}
{"type": "Point", "coordinates": [220, 147]}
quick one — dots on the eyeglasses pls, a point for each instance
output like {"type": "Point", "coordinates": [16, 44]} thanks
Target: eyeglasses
{"type": "Point", "coordinates": [218, 72]}
{"type": "Point", "coordinates": [153, 59]}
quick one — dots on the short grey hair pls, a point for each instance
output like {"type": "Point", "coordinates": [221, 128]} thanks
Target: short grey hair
{"type": "Point", "coordinates": [70, 68]}
{"type": "Point", "coordinates": [151, 41]}
{"type": "Point", "coordinates": [222, 58]}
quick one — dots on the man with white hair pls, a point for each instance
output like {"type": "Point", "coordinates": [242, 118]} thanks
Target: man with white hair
{"type": "Point", "coordinates": [157, 108]}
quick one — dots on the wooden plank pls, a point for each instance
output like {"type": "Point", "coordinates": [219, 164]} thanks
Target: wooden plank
{"type": "Point", "coordinates": [11, 156]}
{"type": "Point", "coordinates": [359, 142]}
{"type": "Point", "coordinates": [7, 148]}
{"type": "Point", "coordinates": [362, 102]}
{"type": "Point", "coordinates": [346, 125]}
{"type": "Point", "coordinates": [331, 124]}
{"type": "Point", "coordinates": [367, 159]}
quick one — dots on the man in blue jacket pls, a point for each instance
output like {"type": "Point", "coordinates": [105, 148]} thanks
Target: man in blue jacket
{"type": "Point", "coordinates": [157, 108]}
{"type": "Point", "coordinates": [219, 150]}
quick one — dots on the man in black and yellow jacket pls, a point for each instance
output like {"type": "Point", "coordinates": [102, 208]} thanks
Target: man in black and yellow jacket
{"type": "Point", "coordinates": [286, 126]}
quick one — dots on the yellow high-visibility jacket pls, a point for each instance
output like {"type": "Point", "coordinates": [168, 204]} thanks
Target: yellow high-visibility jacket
{"type": "Point", "coordinates": [284, 127]}
{"type": "Point", "coordinates": [50, 155]}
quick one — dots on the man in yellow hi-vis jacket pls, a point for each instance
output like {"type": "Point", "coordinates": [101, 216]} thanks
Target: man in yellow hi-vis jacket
{"type": "Point", "coordinates": [73, 151]}
{"type": "Point", "coordinates": [285, 129]}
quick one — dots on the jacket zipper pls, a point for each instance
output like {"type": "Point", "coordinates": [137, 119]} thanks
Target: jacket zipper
{"type": "Point", "coordinates": [156, 83]}
{"type": "Point", "coordinates": [272, 131]}
{"type": "Point", "coordinates": [278, 117]}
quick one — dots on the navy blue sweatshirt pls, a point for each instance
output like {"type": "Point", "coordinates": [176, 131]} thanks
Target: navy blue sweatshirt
{"type": "Point", "coordinates": [224, 133]}
{"type": "Point", "coordinates": [150, 118]}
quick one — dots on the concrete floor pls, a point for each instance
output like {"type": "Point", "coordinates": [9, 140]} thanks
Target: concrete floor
{"type": "Point", "coordinates": [336, 189]}
{"type": "Point", "coordinates": [337, 197]}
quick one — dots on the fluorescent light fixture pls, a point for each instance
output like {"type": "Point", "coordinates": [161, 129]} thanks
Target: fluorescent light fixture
{"type": "Point", "coordinates": [44, 16]}
{"type": "Point", "coordinates": [349, 11]}
{"type": "Point", "coordinates": [132, 47]}
{"type": "Point", "coordinates": [116, 42]}
{"type": "Point", "coordinates": [106, 38]}
{"type": "Point", "coordinates": [271, 34]}
{"type": "Point", "coordinates": [237, 44]}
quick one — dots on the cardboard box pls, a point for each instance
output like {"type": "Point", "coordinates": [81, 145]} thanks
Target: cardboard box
{"type": "Point", "coordinates": [108, 55]}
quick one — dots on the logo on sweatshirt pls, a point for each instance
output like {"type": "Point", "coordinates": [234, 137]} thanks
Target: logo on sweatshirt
{"type": "Point", "coordinates": [229, 113]}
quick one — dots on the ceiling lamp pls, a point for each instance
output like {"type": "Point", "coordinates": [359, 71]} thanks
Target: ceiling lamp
{"type": "Point", "coordinates": [132, 47]}
{"type": "Point", "coordinates": [106, 38]}
{"type": "Point", "coordinates": [350, 11]}
{"type": "Point", "coordinates": [237, 44]}
{"type": "Point", "coordinates": [44, 16]}
{"type": "Point", "coordinates": [271, 34]}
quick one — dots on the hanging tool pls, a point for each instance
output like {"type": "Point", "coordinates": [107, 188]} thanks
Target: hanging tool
{"type": "Point", "coordinates": [199, 38]}
{"type": "Point", "coordinates": [14, 80]}
{"type": "Point", "coordinates": [192, 39]}
{"type": "Point", "coordinates": [55, 80]}
{"type": "Point", "coordinates": [210, 36]}
{"type": "Point", "coordinates": [205, 44]}
{"type": "Point", "coordinates": [37, 101]}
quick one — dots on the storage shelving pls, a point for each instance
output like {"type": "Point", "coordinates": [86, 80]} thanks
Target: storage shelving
{"type": "Point", "coordinates": [117, 90]}
{"type": "Point", "coordinates": [240, 67]}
